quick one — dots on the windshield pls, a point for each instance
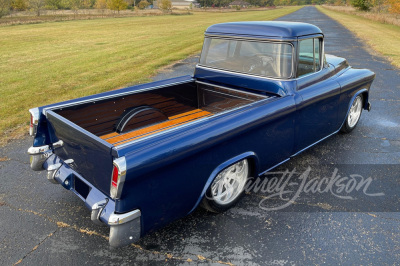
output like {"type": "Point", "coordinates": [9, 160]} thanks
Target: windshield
{"type": "Point", "coordinates": [269, 59]}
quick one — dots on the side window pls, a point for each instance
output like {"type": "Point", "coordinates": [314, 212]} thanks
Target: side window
{"type": "Point", "coordinates": [309, 56]}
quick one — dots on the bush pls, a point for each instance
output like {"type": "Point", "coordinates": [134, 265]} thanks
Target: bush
{"type": "Point", "coordinates": [117, 5]}
{"type": "Point", "coordinates": [5, 6]}
{"type": "Point", "coordinates": [165, 5]}
{"type": "Point", "coordinates": [143, 4]}
{"type": "Point", "coordinates": [364, 5]}
{"type": "Point", "coordinates": [19, 5]}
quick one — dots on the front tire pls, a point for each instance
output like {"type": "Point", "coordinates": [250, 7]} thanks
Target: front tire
{"type": "Point", "coordinates": [353, 116]}
{"type": "Point", "coordinates": [227, 188]}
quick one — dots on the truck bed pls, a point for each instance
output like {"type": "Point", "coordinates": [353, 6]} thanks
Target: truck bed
{"type": "Point", "coordinates": [126, 118]}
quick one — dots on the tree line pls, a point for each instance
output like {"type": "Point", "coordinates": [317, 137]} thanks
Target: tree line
{"type": "Point", "coordinates": [6, 6]}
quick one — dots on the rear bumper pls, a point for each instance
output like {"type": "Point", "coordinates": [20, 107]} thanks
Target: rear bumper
{"type": "Point", "coordinates": [125, 228]}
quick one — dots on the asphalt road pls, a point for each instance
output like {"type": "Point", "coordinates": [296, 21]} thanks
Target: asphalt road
{"type": "Point", "coordinates": [43, 224]}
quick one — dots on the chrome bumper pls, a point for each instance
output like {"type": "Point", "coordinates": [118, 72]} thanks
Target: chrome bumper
{"type": "Point", "coordinates": [124, 228]}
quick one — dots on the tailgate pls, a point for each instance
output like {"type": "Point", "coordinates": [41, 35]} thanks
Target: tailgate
{"type": "Point", "coordinates": [92, 156]}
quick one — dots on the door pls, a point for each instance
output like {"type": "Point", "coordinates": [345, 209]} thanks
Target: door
{"type": "Point", "coordinates": [317, 96]}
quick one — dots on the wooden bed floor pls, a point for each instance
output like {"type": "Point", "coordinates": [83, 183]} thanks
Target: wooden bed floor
{"type": "Point", "coordinates": [174, 121]}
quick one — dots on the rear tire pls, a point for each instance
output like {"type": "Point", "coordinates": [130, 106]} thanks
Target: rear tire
{"type": "Point", "coordinates": [354, 115]}
{"type": "Point", "coordinates": [227, 188]}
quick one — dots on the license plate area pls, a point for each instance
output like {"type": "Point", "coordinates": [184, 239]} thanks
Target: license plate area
{"type": "Point", "coordinates": [81, 187]}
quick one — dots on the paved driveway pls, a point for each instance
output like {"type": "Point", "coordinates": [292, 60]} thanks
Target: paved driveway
{"type": "Point", "coordinates": [43, 224]}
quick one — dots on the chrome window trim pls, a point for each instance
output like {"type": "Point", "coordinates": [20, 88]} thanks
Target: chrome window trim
{"type": "Point", "coordinates": [291, 76]}
{"type": "Point", "coordinates": [322, 59]}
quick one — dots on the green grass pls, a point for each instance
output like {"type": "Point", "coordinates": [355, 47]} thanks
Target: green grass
{"type": "Point", "coordinates": [383, 38]}
{"type": "Point", "coordinates": [51, 62]}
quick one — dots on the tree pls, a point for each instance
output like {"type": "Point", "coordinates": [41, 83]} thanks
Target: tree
{"type": "Point", "coordinates": [37, 6]}
{"type": "Point", "coordinates": [117, 5]}
{"type": "Point", "coordinates": [143, 4]}
{"type": "Point", "coordinates": [75, 5]}
{"type": "Point", "coordinates": [5, 6]}
{"type": "Point", "coordinates": [165, 5]}
{"type": "Point", "coordinates": [394, 6]}
{"type": "Point", "coordinates": [363, 5]}
{"type": "Point", "coordinates": [102, 5]}
{"type": "Point", "coordinates": [53, 4]}
{"type": "Point", "coordinates": [19, 5]}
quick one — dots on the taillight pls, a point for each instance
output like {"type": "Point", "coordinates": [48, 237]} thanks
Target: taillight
{"type": "Point", "coordinates": [118, 177]}
{"type": "Point", "coordinates": [114, 181]}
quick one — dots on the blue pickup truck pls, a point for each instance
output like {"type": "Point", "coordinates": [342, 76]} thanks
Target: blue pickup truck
{"type": "Point", "coordinates": [143, 156]}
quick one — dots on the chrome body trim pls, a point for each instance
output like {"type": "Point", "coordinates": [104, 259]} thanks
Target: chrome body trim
{"type": "Point", "coordinates": [35, 121]}
{"type": "Point", "coordinates": [51, 172]}
{"type": "Point", "coordinates": [38, 155]}
{"type": "Point", "coordinates": [58, 144]}
{"type": "Point", "coordinates": [118, 219]}
{"type": "Point", "coordinates": [69, 161]}
{"type": "Point", "coordinates": [97, 209]}
{"type": "Point", "coordinates": [38, 150]}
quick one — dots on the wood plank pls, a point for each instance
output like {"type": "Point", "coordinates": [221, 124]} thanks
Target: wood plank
{"type": "Point", "coordinates": [174, 121]}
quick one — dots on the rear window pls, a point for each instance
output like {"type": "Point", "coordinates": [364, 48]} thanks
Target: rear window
{"type": "Point", "coordinates": [269, 59]}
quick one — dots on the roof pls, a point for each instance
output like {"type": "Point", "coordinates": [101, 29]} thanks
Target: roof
{"type": "Point", "coordinates": [239, 3]}
{"type": "Point", "coordinates": [264, 29]}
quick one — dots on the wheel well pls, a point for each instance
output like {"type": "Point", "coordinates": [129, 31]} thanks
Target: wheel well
{"type": "Point", "coordinates": [252, 167]}
{"type": "Point", "coordinates": [365, 100]}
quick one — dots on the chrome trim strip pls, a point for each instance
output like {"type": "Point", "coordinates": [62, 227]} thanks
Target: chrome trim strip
{"type": "Point", "coordinates": [112, 96]}
{"type": "Point", "coordinates": [276, 165]}
{"type": "Point", "coordinates": [297, 153]}
{"type": "Point", "coordinates": [38, 150]}
{"type": "Point", "coordinates": [117, 219]}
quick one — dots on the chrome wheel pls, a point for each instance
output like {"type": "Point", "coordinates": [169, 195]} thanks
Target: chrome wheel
{"type": "Point", "coordinates": [355, 112]}
{"type": "Point", "coordinates": [229, 184]}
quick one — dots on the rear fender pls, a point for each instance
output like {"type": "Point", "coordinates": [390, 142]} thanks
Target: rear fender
{"type": "Point", "coordinates": [254, 169]}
